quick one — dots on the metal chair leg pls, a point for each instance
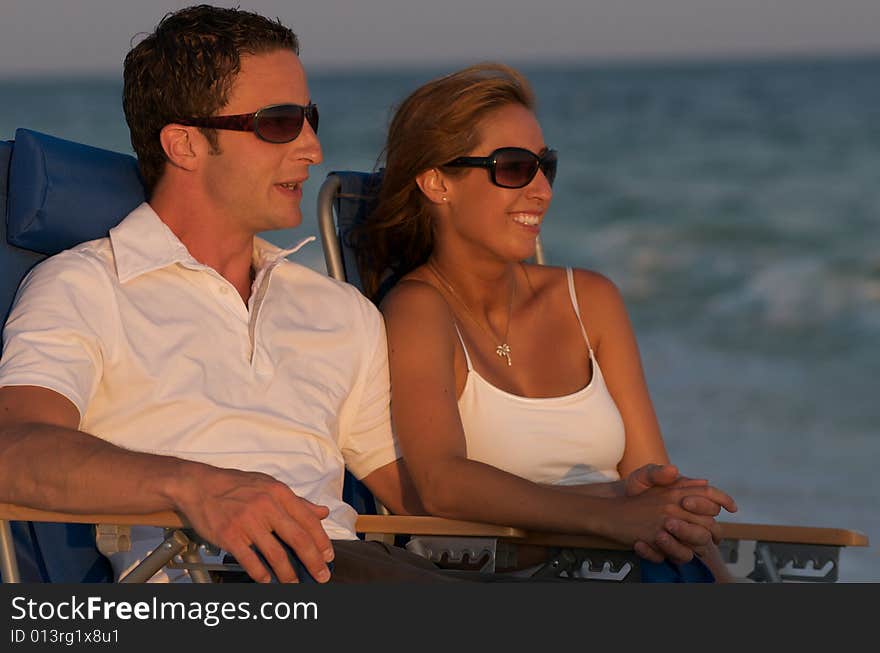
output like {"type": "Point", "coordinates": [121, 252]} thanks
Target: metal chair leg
{"type": "Point", "coordinates": [173, 544]}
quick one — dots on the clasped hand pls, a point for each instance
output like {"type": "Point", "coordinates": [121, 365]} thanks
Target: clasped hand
{"type": "Point", "coordinates": [672, 516]}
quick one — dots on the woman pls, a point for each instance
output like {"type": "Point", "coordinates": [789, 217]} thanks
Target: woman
{"type": "Point", "coordinates": [517, 390]}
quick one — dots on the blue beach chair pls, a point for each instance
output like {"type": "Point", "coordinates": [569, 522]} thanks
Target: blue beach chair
{"type": "Point", "coordinates": [759, 552]}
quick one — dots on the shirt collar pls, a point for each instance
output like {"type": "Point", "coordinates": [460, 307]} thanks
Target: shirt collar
{"type": "Point", "coordinates": [266, 254]}
{"type": "Point", "coordinates": [143, 243]}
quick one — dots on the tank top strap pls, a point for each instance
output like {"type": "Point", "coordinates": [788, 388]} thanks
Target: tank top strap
{"type": "Point", "coordinates": [577, 311]}
{"type": "Point", "coordinates": [467, 356]}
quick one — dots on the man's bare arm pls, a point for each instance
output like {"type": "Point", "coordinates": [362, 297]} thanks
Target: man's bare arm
{"type": "Point", "coordinates": [46, 463]}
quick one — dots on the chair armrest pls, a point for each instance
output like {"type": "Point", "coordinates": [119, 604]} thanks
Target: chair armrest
{"type": "Point", "coordinates": [729, 531]}
{"type": "Point", "coordinates": [793, 534]}
{"type": "Point", "coordinates": [167, 519]}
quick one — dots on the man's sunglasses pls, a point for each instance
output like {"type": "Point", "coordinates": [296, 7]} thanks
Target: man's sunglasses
{"type": "Point", "coordinates": [511, 167]}
{"type": "Point", "coordinates": [278, 123]}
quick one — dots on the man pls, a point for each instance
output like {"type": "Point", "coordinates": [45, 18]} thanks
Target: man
{"type": "Point", "coordinates": [182, 363]}
{"type": "Point", "coordinates": [139, 370]}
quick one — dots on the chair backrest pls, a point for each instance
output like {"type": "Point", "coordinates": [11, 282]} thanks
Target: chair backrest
{"type": "Point", "coordinates": [351, 195]}
{"type": "Point", "coordinates": [55, 194]}
{"type": "Point", "coordinates": [14, 261]}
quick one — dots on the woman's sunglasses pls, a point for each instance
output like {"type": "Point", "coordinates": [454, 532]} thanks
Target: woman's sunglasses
{"type": "Point", "coordinates": [511, 167]}
{"type": "Point", "coordinates": [278, 123]}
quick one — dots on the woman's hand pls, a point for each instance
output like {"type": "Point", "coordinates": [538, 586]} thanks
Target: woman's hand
{"type": "Point", "coordinates": [681, 534]}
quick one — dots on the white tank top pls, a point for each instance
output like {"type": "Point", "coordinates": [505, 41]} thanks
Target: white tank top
{"type": "Point", "coordinates": [576, 438]}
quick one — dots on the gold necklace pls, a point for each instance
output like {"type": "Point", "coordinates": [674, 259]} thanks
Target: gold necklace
{"type": "Point", "coordinates": [503, 349]}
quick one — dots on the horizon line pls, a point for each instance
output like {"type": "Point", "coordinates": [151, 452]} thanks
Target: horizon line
{"type": "Point", "coordinates": [587, 61]}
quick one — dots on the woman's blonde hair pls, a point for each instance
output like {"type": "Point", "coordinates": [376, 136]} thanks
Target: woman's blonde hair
{"type": "Point", "coordinates": [438, 122]}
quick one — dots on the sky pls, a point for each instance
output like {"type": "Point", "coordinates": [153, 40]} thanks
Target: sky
{"type": "Point", "coordinates": [50, 37]}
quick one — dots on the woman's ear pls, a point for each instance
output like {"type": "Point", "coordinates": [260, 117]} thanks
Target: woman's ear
{"type": "Point", "coordinates": [178, 145]}
{"type": "Point", "coordinates": [433, 185]}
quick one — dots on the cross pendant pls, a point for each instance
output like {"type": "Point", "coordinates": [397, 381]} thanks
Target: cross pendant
{"type": "Point", "coordinates": [503, 350]}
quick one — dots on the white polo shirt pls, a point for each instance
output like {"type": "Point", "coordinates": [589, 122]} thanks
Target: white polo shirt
{"type": "Point", "coordinates": [160, 354]}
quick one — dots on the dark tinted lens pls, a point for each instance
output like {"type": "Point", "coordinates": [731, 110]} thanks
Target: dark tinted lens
{"type": "Point", "coordinates": [548, 166]}
{"type": "Point", "coordinates": [280, 124]}
{"type": "Point", "coordinates": [514, 167]}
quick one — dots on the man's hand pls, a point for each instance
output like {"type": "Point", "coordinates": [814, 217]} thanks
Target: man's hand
{"type": "Point", "coordinates": [234, 510]}
{"type": "Point", "coordinates": [679, 536]}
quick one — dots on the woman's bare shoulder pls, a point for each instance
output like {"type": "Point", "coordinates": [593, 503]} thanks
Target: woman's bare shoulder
{"type": "Point", "coordinates": [601, 305]}
{"type": "Point", "coordinates": [550, 278]}
{"type": "Point", "coordinates": [595, 284]}
{"type": "Point", "coordinates": [598, 298]}
{"type": "Point", "coordinates": [414, 298]}
{"type": "Point", "coordinates": [418, 319]}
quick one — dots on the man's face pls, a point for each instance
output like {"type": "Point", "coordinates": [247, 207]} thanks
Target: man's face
{"type": "Point", "coordinates": [257, 185]}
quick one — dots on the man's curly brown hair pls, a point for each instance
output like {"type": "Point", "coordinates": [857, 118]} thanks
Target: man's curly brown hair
{"type": "Point", "coordinates": [186, 68]}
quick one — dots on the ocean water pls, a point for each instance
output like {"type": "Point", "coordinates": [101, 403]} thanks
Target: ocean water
{"type": "Point", "coordinates": [737, 207]}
